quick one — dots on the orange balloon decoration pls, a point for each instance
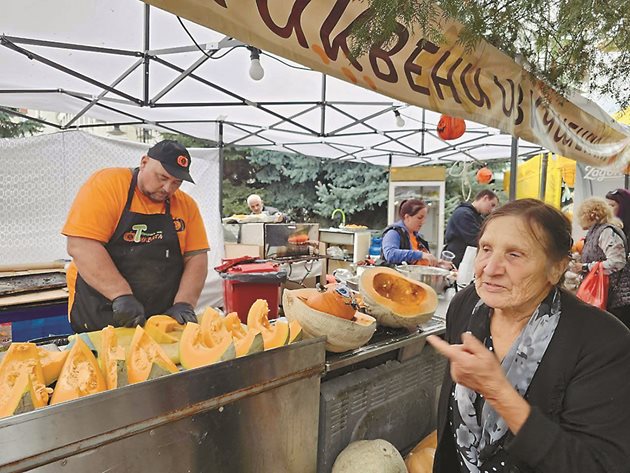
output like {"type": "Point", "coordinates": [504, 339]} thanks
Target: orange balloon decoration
{"type": "Point", "coordinates": [484, 176]}
{"type": "Point", "coordinates": [450, 128]}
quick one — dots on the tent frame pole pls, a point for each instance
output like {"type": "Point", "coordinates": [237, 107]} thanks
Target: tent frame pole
{"type": "Point", "coordinates": [513, 168]}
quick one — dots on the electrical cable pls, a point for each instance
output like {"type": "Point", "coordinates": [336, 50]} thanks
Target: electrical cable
{"type": "Point", "coordinates": [301, 68]}
{"type": "Point", "coordinates": [200, 48]}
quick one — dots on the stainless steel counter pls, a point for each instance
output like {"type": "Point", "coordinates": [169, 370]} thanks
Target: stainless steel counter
{"type": "Point", "coordinates": [252, 414]}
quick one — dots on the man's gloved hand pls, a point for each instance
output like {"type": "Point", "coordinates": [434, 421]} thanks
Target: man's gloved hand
{"type": "Point", "coordinates": [128, 312]}
{"type": "Point", "coordinates": [182, 312]}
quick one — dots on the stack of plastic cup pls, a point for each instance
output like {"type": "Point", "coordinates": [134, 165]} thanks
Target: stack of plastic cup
{"type": "Point", "coordinates": [466, 270]}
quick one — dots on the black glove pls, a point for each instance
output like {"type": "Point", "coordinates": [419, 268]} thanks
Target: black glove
{"type": "Point", "coordinates": [128, 312]}
{"type": "Point", "coordinates": [182, 312]}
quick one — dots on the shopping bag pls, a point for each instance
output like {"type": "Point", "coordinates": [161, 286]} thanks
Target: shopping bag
{"type": "Point", "coordinates": [594, 287]}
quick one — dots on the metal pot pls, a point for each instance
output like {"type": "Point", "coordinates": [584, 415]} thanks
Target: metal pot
{"type": "Point", "coordinates": [438, 278]}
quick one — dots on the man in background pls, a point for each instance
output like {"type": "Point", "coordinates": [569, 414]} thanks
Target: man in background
{"type": "Point", "coordinates": [463, 227]}
{"type": "Point", "coordinates": [257, 207]}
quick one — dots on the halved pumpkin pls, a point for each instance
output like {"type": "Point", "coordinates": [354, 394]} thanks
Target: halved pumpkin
{"type": "Point", "coordinates": [247, 341]}
{"type": "Point", "coordinates": [112, 359]}
{"type": "Point", "coordinates": [22, 384]}
{"type": "Point", "coordinates": [395, 300]}
{"type": "Point", "coordinates": [164, 329]}
{"type": "Point", "coordinates": [274, 335]}
{"type": "Point", "coordinates": [195, 352]}
{"type": "Point", "coordinates": [80, 375]}
{"type": "Point", "coordinates": [341, 334]}
{"type": "Point", "coordinates": [146, 359]}
{"type": "Point", "coordinates": [52, 363]}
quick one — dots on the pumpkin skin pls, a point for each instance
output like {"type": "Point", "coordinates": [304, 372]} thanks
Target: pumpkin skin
{"type": "Point", "coordinates": [369, 456]}
{"type": "Point", "coordinates": [80, 376]}
{"type": "Point", "coordinates": [274, 335]}
{"type": "Point", "coordinates": [450, 128]}
{"type": "Point", "coordinates": [420, 459]}
{"type": "Point", "coordinates": [22, 384]}
{"type": "Point", "coordinates": [395, 300]}
{"type": "Point", "coordinates": [146, 359]}
{"type": "Point", "coordinates": [341, 334]}
{"type": "Point", "coordinates": [331, 302]}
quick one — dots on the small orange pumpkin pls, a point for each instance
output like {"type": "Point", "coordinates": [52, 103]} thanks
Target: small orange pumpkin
{"type": "Point", "coordinates": [484, 176]}
{"type": "Point", "coordinates": [331, 301]}
{"type": "Point", "coordinates": [578, 246]}
{"type": "Point", "coordinates": [450, 128]}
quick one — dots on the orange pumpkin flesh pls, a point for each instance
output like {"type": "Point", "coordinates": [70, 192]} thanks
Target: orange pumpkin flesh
{"type": "Point", "coordinates": [52, 363]}
{"type": "Point", "coordinates": [246, 342]}
{"type": "Point", "coordinates": [146, 359]}
{"type": "Point", "coordinates": [112, 359]}
{"type": "Point", "coordinates": [274, 335]}
{"type": "Point", "coordinates": [331, 302]}
{"type": "Point", "coordinates": [22, 384]}
{"type": "Point", "coordinates": [80, 375]}
{"type": "Point", "coordinates": [163, 329]}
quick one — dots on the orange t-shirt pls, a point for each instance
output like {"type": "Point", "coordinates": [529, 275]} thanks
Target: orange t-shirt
{"type": "Point", "coordinates": [99, 204]}
{"type": "Point", "coordinates": [415, 246]}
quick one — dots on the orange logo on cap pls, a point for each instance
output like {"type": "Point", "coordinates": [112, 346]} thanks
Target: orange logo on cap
{"type": "Point", "coordinates": [182, 161]}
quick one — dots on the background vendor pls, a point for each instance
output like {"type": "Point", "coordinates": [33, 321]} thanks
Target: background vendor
{"type": "Point", "coordinates": [257, 207]}
{"type": "Point", "coordinates": [402, 241]}
{"type": "Point", "coordinates": [138, 244]}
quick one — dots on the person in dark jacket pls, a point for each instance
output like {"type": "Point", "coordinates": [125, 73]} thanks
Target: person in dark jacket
{"type": "Point", "coordinates": [402, 241]}
{"type": "Point", "coordinates": [462, 229]}
{"type": "Point", "coordinates": [538, 380]}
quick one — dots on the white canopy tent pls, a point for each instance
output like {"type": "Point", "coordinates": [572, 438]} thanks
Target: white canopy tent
{"type": "Point", "coordinates": [88, 58]}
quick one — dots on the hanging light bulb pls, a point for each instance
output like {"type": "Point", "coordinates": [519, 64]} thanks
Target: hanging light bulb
{"type": "Point", "coordinates": [400, 122]}
{"type": "Point", "coordinates": [256, 71]}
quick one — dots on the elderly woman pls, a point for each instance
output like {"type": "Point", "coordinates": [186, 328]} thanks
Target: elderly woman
{"type": "Point", "coordinates": [402, 241]}
{"type": "Point", "coordinates": [606, 242]}
{"type": "Point", "coordinates": [538, 380]}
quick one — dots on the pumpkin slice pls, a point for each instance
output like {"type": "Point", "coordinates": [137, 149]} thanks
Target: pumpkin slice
{"type": "Point", "coordinates": [341, 334]}
{"type": "Point", "coordinates": [112, 359]}
{"type": "Point", "coordinates": [295, 331]}
{"type": "Point", "coordinates": [247, 341]}
{"type": "Point", "coordinates": [164, 329]}
{"type": "Point", "coordinates": [80, 375]}
{"type": "Point", "coordinates": [22, 384]}
{"type": "Point", "coordinates": [52, 363]}
{"type": "Point", "coordinates": [146, 359]}
{"type": "Point", "coordinates": [200, 349]}
{"type": "Point", "coordinates": [274, 335]}
{"type": "Point", "coordinates": [395, 300]}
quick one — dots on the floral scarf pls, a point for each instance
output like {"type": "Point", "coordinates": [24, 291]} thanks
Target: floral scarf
{"type": "Point", "coordinates": [477, 427]}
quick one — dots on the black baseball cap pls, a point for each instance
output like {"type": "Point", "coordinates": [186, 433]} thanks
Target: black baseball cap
{"type": "Point", "coordinates": [174, 157]}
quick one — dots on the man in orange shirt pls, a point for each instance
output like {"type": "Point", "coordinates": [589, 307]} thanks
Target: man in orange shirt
{"type": "Point", "coordinates": [138, 244]}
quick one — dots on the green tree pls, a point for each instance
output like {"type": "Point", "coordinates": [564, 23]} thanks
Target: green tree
{"type": "Point", "coordinates": [568, 43]}
{"type": "Point", "coordinates": [12, 126]}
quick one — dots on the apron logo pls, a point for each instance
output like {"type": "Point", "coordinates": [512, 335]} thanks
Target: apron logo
{"type": "Point", "coordinates": [139, 235]}
{"type": "Point", "coordinates": [179, 225]}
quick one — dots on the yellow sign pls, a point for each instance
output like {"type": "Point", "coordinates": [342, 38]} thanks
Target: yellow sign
{"type": "Point", "coordinates": [483, 85]}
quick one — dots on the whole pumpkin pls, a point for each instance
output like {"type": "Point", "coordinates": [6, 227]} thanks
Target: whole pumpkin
{"type": "Point", "coordinates": [450, 128]}
{"type": "Point", "coordinates": [484, 176]}
{"type": "Point", "coordinates": [332, 301]}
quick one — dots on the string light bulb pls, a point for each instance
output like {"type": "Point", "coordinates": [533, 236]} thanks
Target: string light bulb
{"type": "Point", "coordinates": [400, 122]}
{"type": "Point", "coordinates": [256, 72]}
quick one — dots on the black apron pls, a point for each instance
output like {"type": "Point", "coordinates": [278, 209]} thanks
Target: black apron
{"type": "Point", "coordinates": [146, 251]}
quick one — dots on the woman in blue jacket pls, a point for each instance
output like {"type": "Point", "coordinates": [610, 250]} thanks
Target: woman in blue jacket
{"type": "Point", "coordinates": [401, 240]}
